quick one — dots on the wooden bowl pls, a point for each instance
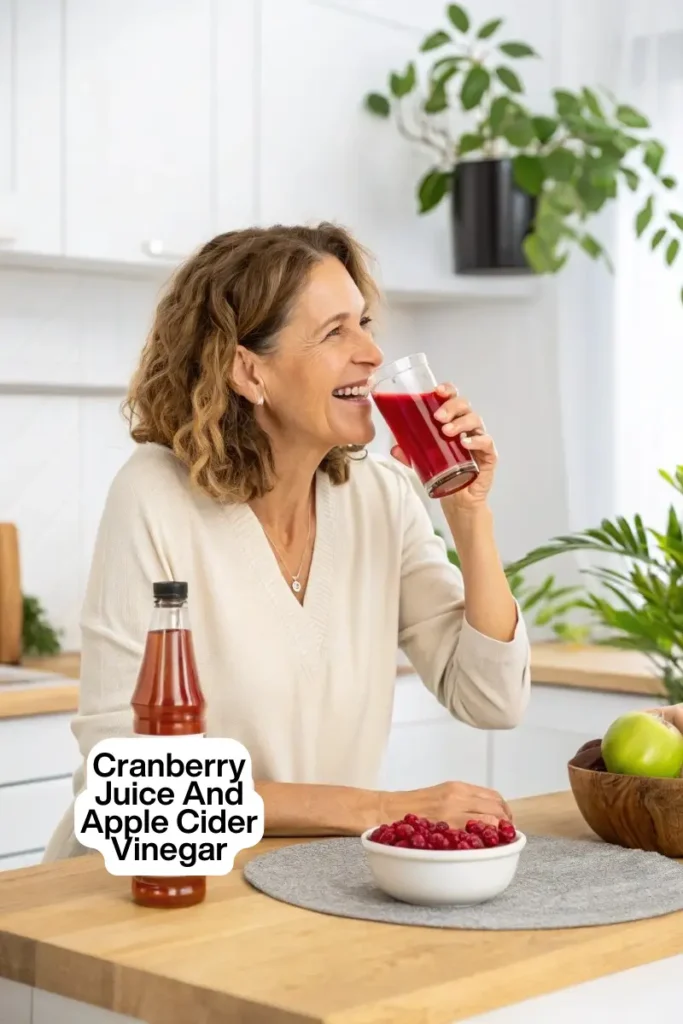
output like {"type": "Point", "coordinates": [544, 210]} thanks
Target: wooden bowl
{"type": "Point", "coordinates": [639, 813]}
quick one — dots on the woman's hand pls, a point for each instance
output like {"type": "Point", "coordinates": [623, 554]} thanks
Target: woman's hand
{"type": "Point", "coordinates": [672, 713]}
{"type": "Point", "coordinates": [457, 417]}
{"type": "Point", "coordinates": [454, 802]}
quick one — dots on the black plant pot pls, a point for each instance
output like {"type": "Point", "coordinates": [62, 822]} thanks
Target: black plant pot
{"type": "Point", "coordinates": [491, 216]}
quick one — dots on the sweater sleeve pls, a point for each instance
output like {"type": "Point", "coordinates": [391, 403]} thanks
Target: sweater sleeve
{"type": "Point", "coordinates": [114, 623]}
{"type": "Point", "coordinates": [482, 681]}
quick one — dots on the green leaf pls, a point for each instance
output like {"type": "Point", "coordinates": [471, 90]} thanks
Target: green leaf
{"type": "Point", "coordinates": [458, 17]}
{"type": "Point", "coordinates": [644, 216]}
{"type": "Point", "coordinates": [470, 143]}
{"type": "Point", "coordinates": [549, 226]}
{"type": "Point", "coordinates": [631, 117]}
{"type": "Point", "coordinates": [566, 102]}
{"type": "Point", "coordinates": [528, 173]}
{"type": "Point", "coordinates": [591, 246]}
{"type": "Point", "coordinates": [444, 65]}
{"type": "Point", "coordinates": [401, 85]}
{"type": "Point", "coordinates": [437, 101]}
{"type": "Point", "coordinates": [517, 50]}
{"type": "Point", "coordinates": [477, 81]}
{"type": "Point", "coordinates": [499, 110]}
{"type": "Point", "coordinates": [509, 79]}
{"type": "Point", "coordinates": [538, 256]}
{"type": "Point", "coordinates": [432, 189]}
{"type": "Point", "coordinates": [544, 128]}
{"type": "Point", "coordinates": [669, 182]}
{"type": "Point", "coordinates": [435, 40]}
{"type": "Point", "coordinates": [672, 251]}
{"type": "Point", "coordinates": [487, 30]}
{"type": "Point", "coordinates": [656, 239]}
{"type": "Point", "coordinates": [560, 164]}
{"type": "Point", "coordinates": [519, 131]}
{"type": "Point", "coordinates": [654, 155]}
{"type": "Point", "coordinates": [632, 179]}
{"type": "Point", "coordinates": [378, 104]}
{"type": "Point", "coordinates": [563, 197]}
{"type": "Point", "coordinates": [677, 219]}
{"type": "Point", "coordinates": [591, 101]}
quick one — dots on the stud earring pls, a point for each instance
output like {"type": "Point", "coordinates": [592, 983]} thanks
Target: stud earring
{"type": "Point", "coordinates": [259, 400]}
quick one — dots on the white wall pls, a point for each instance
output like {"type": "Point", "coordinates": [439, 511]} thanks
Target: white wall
{"type": "Point", "coordinates": [295, 146]}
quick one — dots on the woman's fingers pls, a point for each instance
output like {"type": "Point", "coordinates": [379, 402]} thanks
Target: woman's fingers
{"type": "Point", "coordinates": [452, 408]}
{"type": "Point", "coordinates": [465, 424]}
{"type": "Point", "coordinates": [481, 443]}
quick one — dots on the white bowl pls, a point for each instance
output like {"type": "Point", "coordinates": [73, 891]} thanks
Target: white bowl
{"type": "Point", "coordinates": [436, 878]}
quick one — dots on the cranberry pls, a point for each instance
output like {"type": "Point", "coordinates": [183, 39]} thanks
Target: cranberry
{"type": "Point", "coordinates": [507, 833]}
{"type": "Point", "coordinates": [476, 843]}
{"type": "Point", "coordinates": [490, 837]}
{"type": "Point", "coordinates": [411, 819]}
{"type": "Point", "coordinates": [403, 843]}
{"type": "Point", "coordinates": [437, 841]}
{"type": "Point", "coordinates": [463, 845]}
{"type": "Point", "coordinates": [418, 842]}
{"type": "Point", "coordinates": [404, 831]}
{"type": "Point", "coordinates": [387, 837]}
{"type": "Point", "coordinates": [475, 827]}
{"type": "Point", "coordinates": [441, 826]}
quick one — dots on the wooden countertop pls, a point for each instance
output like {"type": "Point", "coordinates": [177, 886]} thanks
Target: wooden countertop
{"type": "Point", "coordinates": [591, 668]}
{"type": "Point", "coordinates": [46, 695]}
{"type": "Point", "coordinates": [70, 928]}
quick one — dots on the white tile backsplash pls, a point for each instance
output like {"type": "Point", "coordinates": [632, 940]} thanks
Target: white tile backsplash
{"type": "Point", "coordinates": [60, 454]}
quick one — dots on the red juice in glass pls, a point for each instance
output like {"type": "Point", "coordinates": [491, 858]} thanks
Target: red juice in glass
{"type": "Point", "coordinates": [405, 394]}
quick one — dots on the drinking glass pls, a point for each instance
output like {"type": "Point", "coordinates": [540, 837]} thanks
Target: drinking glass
{"type": "Point", "coordinates": [405, 394]}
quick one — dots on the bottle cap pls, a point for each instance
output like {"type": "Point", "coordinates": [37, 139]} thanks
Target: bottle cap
{"type": "Point", "coordinates": [171, 590]}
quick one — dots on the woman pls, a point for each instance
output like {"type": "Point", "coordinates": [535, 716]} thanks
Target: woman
{"type": "Point", "coordinates": [307, 563]}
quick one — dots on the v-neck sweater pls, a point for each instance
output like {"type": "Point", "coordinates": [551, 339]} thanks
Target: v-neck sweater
{"type": "Point", "coordinates": [307, 688]}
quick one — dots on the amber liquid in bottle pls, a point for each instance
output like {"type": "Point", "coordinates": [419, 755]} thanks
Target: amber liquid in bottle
{"type": "Point", "coordinates": [168, 701]}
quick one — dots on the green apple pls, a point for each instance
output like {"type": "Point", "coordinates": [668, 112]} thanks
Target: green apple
{"type": "Point", "coordinates": [641, 743]}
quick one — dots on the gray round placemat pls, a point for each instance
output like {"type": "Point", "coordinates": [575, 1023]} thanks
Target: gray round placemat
{"type": "Point", "coordinates": [560, 883]}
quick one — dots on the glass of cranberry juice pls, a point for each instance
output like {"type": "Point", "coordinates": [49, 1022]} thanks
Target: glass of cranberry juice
{"type": "Point", "coordinates": [405, 394]}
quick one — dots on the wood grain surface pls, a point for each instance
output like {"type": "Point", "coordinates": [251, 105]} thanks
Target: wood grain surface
{"type": "Point", "coordinates": [11, 600]}
{"type": "Point", "coordinates": [636, 812]}
{"type": "Point", "coordinates": [71, 928]}
{"type": "Point", "coordinates": [594, 668]}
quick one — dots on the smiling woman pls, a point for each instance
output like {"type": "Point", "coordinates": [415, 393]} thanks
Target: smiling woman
{"type": "Point", "coordinates": [307, 562]}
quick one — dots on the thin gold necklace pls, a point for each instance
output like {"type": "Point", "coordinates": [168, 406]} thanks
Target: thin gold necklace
{"type": "Point", "coordinates": [296, 585]}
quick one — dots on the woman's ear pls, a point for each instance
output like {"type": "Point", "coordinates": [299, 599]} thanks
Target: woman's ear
{"type": "Point", "coordinates": [246, 379]}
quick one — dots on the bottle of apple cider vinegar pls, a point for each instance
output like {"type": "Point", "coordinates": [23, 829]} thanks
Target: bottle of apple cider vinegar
{"type": "Point", "coordinates": [168, 701]}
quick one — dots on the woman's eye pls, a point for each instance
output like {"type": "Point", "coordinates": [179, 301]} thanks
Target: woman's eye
{"type": "Point", "coordinates": [334, 333]}
{"type": "Point", "coordinates": [365, 321]}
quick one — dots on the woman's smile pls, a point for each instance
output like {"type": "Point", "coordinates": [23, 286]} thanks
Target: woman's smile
{"type": "Point", "coordinates": [355, 393]}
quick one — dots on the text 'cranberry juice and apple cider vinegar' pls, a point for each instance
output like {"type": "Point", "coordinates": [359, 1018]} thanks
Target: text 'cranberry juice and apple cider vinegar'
{"type": "Point", "coordinates": [168, 701]}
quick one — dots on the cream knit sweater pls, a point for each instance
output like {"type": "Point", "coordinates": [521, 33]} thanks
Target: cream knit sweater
{"type": "Point", "coordinates": [307, 689]}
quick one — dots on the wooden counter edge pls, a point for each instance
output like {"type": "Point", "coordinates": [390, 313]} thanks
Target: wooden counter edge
{"type": "Point", "coordinates": [557, 969]}
{"type": "Point", "coordinates": [25, 702]}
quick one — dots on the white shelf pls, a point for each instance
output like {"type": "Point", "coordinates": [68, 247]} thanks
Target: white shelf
{"type": "Point", "coordinates": [448, 289]}
{"type": "Point", "coordinates": [461, 288]}
{"type": "Point", "coordinates": [63, 390]}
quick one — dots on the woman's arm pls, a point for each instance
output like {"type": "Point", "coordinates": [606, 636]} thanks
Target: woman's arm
{"type": "Point", "coordinates": [490, 607]}
{"type": "Point", "coordinates": [462, 631]}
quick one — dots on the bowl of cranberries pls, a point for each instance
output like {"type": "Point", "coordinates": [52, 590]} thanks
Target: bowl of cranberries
{"type": "Point", "coordinates": [425, 862]}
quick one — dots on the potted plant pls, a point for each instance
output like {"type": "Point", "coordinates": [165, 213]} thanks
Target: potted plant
{"type": "Point", "coordinates": [523, 183]}
{"type": "Point", "coordinates": [647, 584]}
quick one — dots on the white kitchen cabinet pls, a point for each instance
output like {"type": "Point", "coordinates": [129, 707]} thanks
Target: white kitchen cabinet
{"type": "Point", "coordinates": [29, 813]}
{"type": "Point", "coordinates": [427, 745]}
{"type": "Point", "coordinates": [30, 138]}
{"type": "Point", "coordinates": [140, 184]}
{"type": "Point", "coordinates": [532, 758]}
{"type": "Point", "coordinates": [15, 1002]}
{"type": "Point", "coordinates": [38, 755]}
{"type": "Point", "coordinates": [322, 155]}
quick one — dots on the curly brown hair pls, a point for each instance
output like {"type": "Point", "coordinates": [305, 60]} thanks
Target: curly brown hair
{"type": "Point", "coordinates": [238, 289]}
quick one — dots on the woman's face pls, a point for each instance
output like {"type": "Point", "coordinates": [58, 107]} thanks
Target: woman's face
{"type": "Point", "coordinates": [326, 349]}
